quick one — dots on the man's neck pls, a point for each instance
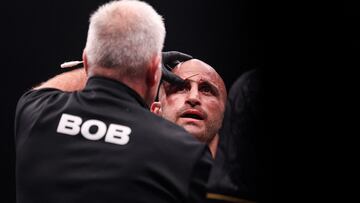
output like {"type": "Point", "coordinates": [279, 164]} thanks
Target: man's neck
{"type": "Point", "coordinates": [137, 85]}
{"type": "Point", "coordinates": [213, 145]}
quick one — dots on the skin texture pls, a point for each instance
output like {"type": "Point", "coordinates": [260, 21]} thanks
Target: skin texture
{"type": "Point", "coordinates": [199, 105]}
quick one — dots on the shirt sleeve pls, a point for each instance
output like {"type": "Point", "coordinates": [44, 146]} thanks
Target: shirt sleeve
{"type": "Point", "coordinates": [30, 106]}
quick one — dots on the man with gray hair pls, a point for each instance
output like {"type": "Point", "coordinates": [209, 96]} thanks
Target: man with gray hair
{"type": "Point", "coordinates": [87, 135]}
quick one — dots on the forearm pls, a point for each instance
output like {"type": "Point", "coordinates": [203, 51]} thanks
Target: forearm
{"type": "Point", "coordinates": [69, 81]}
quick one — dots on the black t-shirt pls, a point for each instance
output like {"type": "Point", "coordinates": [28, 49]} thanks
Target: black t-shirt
{"type": "Point", "coordinates": [103, 145]}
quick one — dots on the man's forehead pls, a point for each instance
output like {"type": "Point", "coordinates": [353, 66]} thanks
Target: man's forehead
{"type": "Point", "coordinates": [196, 70]}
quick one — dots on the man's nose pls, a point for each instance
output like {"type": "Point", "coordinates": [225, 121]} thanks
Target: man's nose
{"type": "Point", "coordinates": [193, 97]}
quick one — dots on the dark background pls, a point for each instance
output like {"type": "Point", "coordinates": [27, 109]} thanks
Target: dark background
{"type": "Point", "coordinates": [37, 36]}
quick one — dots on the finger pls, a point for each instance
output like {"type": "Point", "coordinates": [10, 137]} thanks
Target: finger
{"type": "Point", "coordinates": [175, 55]}
{"type": "Point", "coordinates": [71, 64]}
{"type": "Point", "coordinates": [170, 77]}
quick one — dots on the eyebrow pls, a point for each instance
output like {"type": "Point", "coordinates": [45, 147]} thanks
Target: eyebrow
{"type": "Point", "coordinates": [213, 86]}
{"type": "Point", "coordinates": [202, 81]}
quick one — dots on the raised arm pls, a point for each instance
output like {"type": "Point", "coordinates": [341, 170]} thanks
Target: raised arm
{"type": "Point", "coordinates": [73, 80]}
{"type": "Point", "coordinates": [76, 79]}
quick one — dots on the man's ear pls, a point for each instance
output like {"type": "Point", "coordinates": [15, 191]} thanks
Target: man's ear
{"type": "Point", "coordinates": [153, 75]}
{"type": "Point", "coordinates": [156, 108]}
{"type": "Point", "coordinates": [85, 62]}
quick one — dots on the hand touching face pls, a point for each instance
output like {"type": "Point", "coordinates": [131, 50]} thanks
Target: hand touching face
{"type": "Point", "coordinates": [199, 104]}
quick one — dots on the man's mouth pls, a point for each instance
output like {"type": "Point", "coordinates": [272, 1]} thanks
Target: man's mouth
{"type": "Point", "coordinates": [194, 114]}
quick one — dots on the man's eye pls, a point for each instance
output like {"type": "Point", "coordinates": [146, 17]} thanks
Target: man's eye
{"type": "Point", "coordinates": [206, 89]}
{"type": "Point", "coordinates": [176, 89]}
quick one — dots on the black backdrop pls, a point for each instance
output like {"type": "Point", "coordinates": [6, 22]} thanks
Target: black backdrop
{"type": "Point", "coordinates": [37, 36]}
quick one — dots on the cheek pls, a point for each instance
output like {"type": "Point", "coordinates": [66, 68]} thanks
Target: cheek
{"type": "Point", "coordinates": [174, 101]}
{"type": "Point", "coordinates": [215, 109]}
{"type": "Point", "coordinates": [214, 104]}
{"type": "Point", "coordinates": [171, 106]}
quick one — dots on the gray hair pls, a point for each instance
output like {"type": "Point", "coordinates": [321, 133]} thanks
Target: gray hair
{"type": "Point", "coordinates": [124, 34]}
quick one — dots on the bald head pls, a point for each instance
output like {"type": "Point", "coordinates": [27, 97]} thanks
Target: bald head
{"type": "Point", "coordinates": [198, 105]}
{"type": "Point", "coordinates": [191, 68]}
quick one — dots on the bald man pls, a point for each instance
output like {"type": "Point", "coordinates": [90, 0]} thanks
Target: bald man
{"type": "Point", "coordinates": [198, 106]}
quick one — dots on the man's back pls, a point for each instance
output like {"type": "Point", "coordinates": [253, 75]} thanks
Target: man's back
{"type": "Point", "coordinates": [102, 145]}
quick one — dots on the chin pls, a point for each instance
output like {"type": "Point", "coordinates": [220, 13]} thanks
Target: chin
{"type": "Point", "coordinates": [199, 134]}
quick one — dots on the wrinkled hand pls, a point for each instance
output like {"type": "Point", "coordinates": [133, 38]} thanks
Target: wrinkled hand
{"type": "Point", "coordinates": [170, 59]}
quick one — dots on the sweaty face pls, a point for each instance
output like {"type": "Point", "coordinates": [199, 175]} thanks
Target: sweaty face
{"type": "Point", "coordinates": [198, 106]}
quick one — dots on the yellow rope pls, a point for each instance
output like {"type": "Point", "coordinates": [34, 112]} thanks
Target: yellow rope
{"type": "Point", "coordinates": [227, 198]}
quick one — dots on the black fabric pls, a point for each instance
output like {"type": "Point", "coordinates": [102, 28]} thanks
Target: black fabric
{"type": "Point", "coordinates": [170, 59]}
{"type": "Point", "coordinates": [160, 163]}
{"type": "Point", "coordinates": [237, 165]}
